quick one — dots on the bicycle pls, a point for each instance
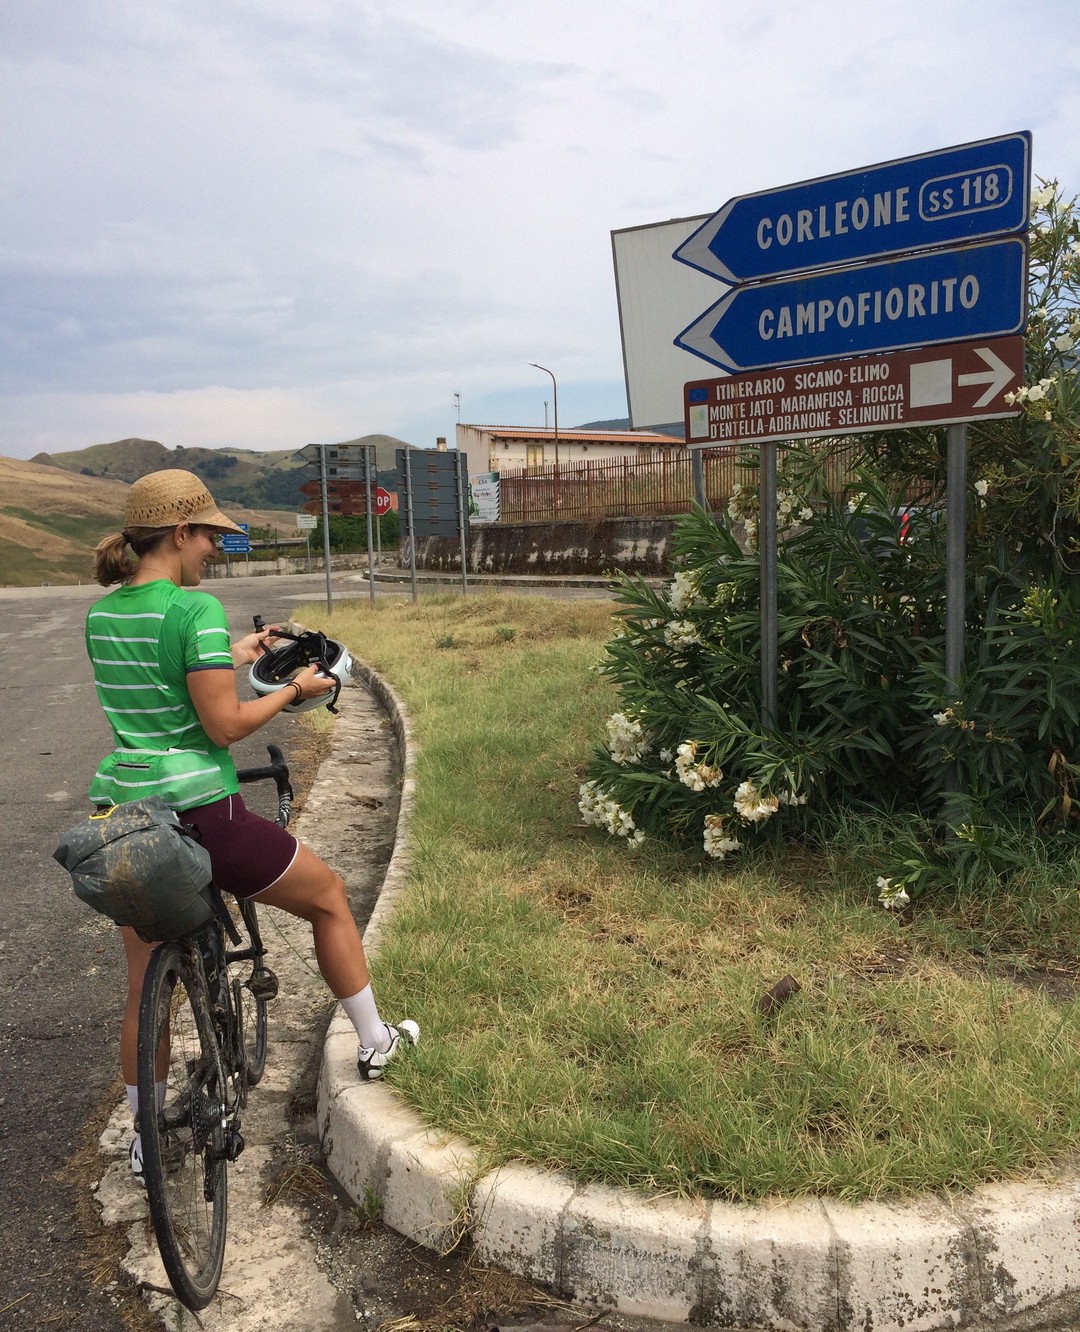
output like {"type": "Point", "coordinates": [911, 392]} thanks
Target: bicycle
{"type": "Point", "coordinates": [202, 1045]}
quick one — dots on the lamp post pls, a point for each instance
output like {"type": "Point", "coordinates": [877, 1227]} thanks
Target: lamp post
{"type": "Point", "coordinates": [555, 404]}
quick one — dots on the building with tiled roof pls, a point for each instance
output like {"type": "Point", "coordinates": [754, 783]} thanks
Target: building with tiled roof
{"type": "Point", "coordinates": [496, 448]}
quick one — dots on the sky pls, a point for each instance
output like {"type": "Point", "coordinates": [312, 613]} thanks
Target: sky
{"type": "Point", "coordinates": [261, 223]}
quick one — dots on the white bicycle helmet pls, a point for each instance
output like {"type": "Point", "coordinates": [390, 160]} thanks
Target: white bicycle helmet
{"type": "Point", "coordinates": [277, 666]}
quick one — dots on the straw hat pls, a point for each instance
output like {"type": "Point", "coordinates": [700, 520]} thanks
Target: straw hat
{"type": "Point", "coordinates": [164, 499]}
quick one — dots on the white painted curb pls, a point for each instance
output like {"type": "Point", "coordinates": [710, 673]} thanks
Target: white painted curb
{"type": "Point", "coordinates": [815, 1265]}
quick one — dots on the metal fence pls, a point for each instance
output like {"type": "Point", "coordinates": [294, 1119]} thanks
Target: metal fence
{"type": "Point", "coordinates": [658, 486]}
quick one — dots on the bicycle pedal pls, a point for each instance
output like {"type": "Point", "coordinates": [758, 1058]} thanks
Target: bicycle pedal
{"type": "Point", "coordinates": [263, 984]}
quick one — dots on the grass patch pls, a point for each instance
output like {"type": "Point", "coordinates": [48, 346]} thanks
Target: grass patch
{"type": "Point", "coordinates": [597, 1010]}
{"type": "Point", "coordinates": [85, 530]}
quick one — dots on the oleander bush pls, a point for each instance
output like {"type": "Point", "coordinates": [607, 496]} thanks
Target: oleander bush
{"type": "Point", "coordinates": [867, 721]}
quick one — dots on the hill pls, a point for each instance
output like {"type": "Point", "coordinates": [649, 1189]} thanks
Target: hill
{"type": "Point", "coordinates": [267, 480]}
{"type": "Point", "coordinates": [51, 518]}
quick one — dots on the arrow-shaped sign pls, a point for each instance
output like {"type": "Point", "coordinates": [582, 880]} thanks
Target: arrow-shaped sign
{"type": "Point", "coordinates": [996, 377]}
{"type": "Point", "coordinates": [955, 195]}
{"type": "Point", "coordinates": [977, 291]}
{"type": "Point", "coordinates": [857, 394]}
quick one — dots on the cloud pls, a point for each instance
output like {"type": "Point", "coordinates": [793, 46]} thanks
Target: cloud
{"type": "Point", "coordinates": [345, 206]}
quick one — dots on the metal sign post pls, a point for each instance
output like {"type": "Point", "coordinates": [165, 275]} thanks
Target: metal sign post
{"type": "Point", "coordinates": [325, 527]}
{"type": "Point", "coordinates": [767, 556]}
{"type": "Point", "coordinates": [955, 549]}
{"type": "Point", "coordinates": [368, 449]}
{"type": "Point", "coordinates": [409, 525]}
{"type": "Point", "coordinates": [459, 477]}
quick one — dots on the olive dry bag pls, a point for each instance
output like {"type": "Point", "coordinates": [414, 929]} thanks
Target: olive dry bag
{"type": "Point", "coordinates": [137, 864]}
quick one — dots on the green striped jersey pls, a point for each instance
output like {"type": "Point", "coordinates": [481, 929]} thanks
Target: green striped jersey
{"type": "Point", "coordinates": [143, 641]}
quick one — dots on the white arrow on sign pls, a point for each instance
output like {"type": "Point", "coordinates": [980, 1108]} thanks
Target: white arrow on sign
{"type": "Point", "coordinates": [996, 377]}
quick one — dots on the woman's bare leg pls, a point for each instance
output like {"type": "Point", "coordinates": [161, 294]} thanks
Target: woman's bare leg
{"type": "Point", "coordinates": [310, 889]}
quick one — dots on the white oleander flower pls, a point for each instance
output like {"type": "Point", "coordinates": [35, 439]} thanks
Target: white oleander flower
{"type": "Point", "coordinates": [683, 591]}
{"type": "Point", "coordinates": [681, 634]}
{"type": "Point", "coordinates": [716, 844]}
{"type": "Point", "coordinates": [697, 776]}
{"type": "Point", "coordinates": [754, 807]}
{"type": "Point", "coordinates": [627, 739]}
{"type": "Point", "coordinates": [893, 897]}
{"type": "Point", "coordinates": [602, 811]}
{"type": "Point", "coordinates": [1043, 197]}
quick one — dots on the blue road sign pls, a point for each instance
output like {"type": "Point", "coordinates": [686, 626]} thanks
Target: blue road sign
{"type": "Point", "coordinates": [232, 543]}
{"type": "Point", "coordinates": [975, 291]}
{"type": "Point", "coordinates": [968, 193]}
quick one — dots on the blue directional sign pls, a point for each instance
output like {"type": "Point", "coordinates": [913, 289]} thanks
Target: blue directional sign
{"type": "Point", "coordinates": [956, 195]}
{"type": "Point", "coordinates": [975, 291]}
{"type": "Point", "coordinates": [232, 543]}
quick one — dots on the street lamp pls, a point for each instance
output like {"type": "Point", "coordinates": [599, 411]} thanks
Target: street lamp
{"type": "Point", "coordinates": [555, 404]}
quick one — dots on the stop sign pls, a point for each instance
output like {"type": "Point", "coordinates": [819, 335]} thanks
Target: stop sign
{"type": "Point", "coordinates": [382, 501]}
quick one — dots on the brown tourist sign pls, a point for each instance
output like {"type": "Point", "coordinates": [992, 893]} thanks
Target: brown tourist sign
{"type": "Point", "coordinates": [938, 385]}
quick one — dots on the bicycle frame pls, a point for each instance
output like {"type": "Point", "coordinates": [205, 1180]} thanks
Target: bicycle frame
{"type": "Point", "coordinates": [195, 1010]}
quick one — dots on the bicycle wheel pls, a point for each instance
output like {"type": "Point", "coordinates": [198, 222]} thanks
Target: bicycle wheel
{"type": "Point", "coordinates": [254, 993]}
{"type": "Point", "coordinates": [183, 1142]}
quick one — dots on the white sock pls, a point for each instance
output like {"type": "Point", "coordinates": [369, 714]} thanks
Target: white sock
{"type": "Point", "coordinates": [371, 1030]}
{"type": "Point", "coordinates": [133, 1106]}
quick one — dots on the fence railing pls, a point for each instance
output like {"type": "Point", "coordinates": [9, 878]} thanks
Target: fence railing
{"type": "Point", "coordinates": [658, 486]}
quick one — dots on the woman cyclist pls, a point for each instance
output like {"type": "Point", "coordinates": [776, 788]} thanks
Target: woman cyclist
{"type": "Point", "coordinates": [164, 670]}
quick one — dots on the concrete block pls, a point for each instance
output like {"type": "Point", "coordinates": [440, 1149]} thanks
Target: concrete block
{"type": "Point", "coordinates": [337, 1071]}
{"type": "Point", "coordinates": [634, 1252]}
{"type": "Point", "coordinates": [429, 1181]}
{"type": "Point", "coordinates": [517, 1221]}
{"type": "Point", "coordinates": [901, 1265]}
{"type": "Point", "coordinates": [367, 1121]}
{"type": "Point", "coordinates": [1027, 1241]}
{"type": "Point", "coordinates": [769, 1266]}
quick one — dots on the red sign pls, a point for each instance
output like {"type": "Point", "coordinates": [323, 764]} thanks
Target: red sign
{"type": "Point", "coordinates": [345, 497]}
{"type": "Point", "coordinates": [858, 395]}
{"type": "Point", "coordinates": [347, 505]}
{"type": "Point", "coordinates": [314, 488]}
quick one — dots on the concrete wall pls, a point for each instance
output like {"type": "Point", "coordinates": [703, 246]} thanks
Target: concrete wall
{"type": "Point", "coordinates": [636, 545]}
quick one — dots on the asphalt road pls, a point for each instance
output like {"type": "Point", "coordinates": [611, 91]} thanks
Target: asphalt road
{"type": "Point", "coordinates": [61, 967]}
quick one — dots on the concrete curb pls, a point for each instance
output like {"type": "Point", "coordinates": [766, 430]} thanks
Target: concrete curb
{"type": "Point", "coordinates": [815, 1265]}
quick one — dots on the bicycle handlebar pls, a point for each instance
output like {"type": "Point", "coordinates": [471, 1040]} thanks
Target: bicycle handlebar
{"type": "Point", "coordinates": [278, 773]}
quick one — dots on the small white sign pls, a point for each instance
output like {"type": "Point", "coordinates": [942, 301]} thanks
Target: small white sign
{"type": "Point", "coordinates": [484, 497]}
{"type": "Point", "coordinates": [306, 521]}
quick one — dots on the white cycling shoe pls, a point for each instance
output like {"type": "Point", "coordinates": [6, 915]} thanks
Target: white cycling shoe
{"type": "Point", "coordinates": [371, 1062]}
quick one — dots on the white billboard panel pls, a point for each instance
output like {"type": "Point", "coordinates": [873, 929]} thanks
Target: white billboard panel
{"type": "Point", "coordinates": [658, 298]}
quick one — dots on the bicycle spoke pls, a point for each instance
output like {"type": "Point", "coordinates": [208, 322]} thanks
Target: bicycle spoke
{"type": "Point", "coordinates": [183, 1143]}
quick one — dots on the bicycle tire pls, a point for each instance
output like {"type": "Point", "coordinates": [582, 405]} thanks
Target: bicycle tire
{"type": "Point", "coordinates": [253, 1023]}
{"type": "Point", "coordinates": [183, 1156]}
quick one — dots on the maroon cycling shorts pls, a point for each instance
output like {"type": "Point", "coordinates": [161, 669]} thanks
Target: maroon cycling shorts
{"type": "Point", "coordinates": [248, 853]}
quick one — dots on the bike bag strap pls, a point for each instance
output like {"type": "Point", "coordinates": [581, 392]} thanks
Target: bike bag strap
{"type": "Point", "coordinates": [224, 915]}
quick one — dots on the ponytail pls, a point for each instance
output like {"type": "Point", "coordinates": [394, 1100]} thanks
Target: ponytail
{"type": "Point", "coordinates": [113, 563]}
